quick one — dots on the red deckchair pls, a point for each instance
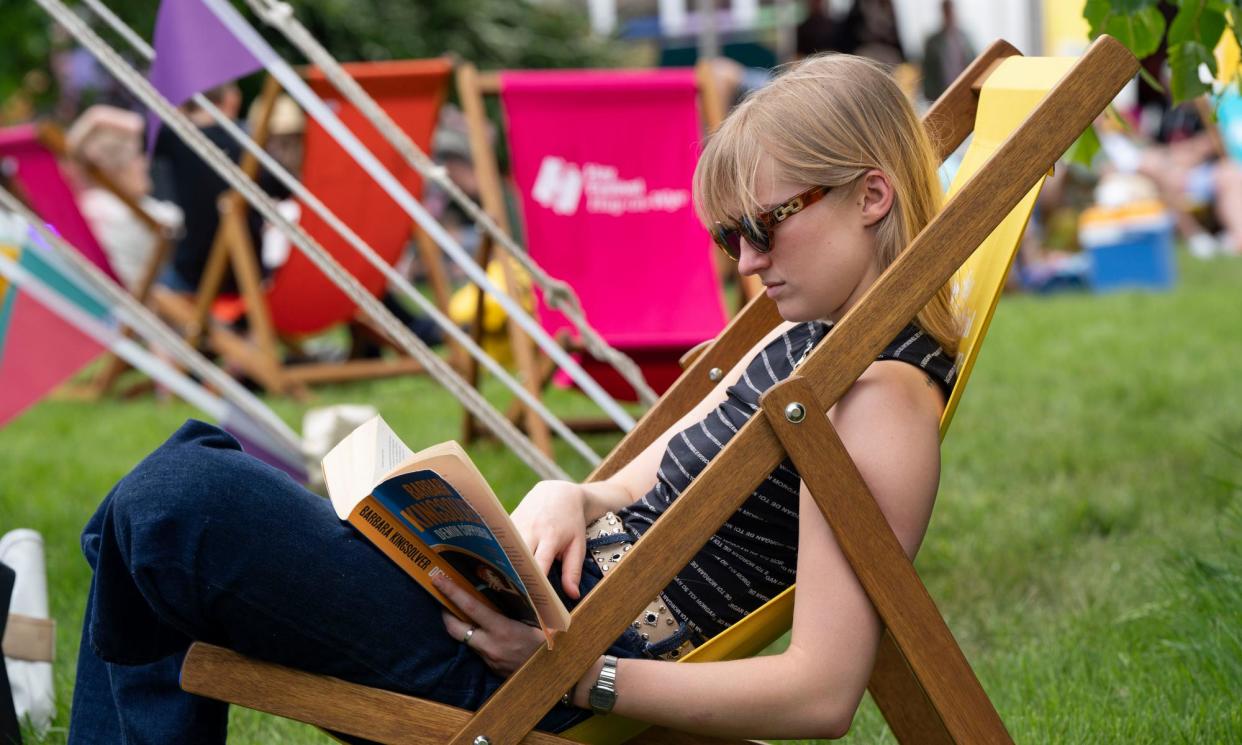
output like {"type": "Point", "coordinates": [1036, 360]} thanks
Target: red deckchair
{"type": "Point", "coordinates": [298, 300]}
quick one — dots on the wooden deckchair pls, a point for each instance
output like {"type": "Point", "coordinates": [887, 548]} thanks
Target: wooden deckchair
{"type": "Point", "coordinates": [298, 300]}
{"type": "Point", "coordinates": [34, 153]}
{"type": "Point", "coordinates": [657, 357]}
{"type": "Point", "coordinates": [921, 682]}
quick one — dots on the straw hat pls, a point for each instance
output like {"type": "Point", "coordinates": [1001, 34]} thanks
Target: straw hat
{"type": "Point", "coordinates": [287, 118]}
{"type": "Point", "coordinates": [106, 136]}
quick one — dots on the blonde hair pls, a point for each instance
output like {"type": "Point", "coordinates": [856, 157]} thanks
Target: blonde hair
{"type": "Point", "coordinates": [827, 120]}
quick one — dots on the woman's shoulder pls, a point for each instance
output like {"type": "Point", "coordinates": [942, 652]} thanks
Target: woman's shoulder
{"type": "Point", "coordinates": [906, 386]}
{"type": "Point", "coordinates": [916, 348]}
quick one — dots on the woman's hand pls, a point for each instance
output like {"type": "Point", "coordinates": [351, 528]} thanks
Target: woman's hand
{"type": "Point", "coordinates": [552, 521]}
{"type": "Point", "coordinates": [504, 644]}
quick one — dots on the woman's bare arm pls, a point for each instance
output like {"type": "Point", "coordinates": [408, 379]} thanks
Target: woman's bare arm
{"type": "Point", "coordinates": [888, 422]}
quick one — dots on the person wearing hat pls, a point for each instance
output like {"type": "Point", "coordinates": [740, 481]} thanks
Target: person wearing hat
{"type": "Point", "coordinates": [110, 140]}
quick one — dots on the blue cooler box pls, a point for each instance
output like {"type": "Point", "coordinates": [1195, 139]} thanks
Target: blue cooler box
{"type": "Point", "coordinates": [1128, 247]}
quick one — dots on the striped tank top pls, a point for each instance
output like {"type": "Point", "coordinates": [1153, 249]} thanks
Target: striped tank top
{"type": "Point", "coordinates": [753, 557]}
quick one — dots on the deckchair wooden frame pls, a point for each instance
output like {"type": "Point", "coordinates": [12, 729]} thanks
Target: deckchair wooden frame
{"type": "Point", "coordinates": [258, 353]}
{"type": "Point", "coordinates": [922, 682]}
{"type": "Point", "coordinates": [535, 370]}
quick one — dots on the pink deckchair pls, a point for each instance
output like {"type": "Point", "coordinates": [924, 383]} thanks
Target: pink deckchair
{"type": "Point", "coordinates": [603, 161]}
{"type": "Point", "coordinates": [38, 349]}
{"type": "Point", "coordinates": [29, 164]}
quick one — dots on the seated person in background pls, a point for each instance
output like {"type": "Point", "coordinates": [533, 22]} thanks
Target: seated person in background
{"type": "Point", "coordinates": [1187, 173]}
{"type": "Point", "coordinates": [183, 178]}
{"type": "Point", "coordinates": [110, 139]}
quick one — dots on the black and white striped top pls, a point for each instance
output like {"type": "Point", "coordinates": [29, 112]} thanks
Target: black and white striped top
{"type": "Point", "coordinates": [753, 557]}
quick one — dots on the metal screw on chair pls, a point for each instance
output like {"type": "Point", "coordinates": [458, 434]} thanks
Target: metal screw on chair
{"type": "Point", "coordinates": [795, 412]}
{"type": "Point", "coordinates": [482, 740]}
{"type": "Point", "coordinates": [715, 374]}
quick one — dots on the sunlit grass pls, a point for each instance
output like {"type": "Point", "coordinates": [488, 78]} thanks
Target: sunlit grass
{"type": "Point", "coordinates": [1085, 548]}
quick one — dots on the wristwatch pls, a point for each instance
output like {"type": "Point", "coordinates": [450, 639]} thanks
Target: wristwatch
{"type": "Point", "coordinates": [603, 694]}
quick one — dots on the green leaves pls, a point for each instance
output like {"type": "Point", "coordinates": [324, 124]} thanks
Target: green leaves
{"type": "Point", "coordinates": [1084, 149]}
{"type": "Point", "coordinates": [1136, 23]}
{"type": "Point", "coordinates": [1198, 20]}
{"type": "Point", "coordinates": [1192, 36]}
{"type": "Point", "coordinates": [1184, 61]}
{"type": "Point", "coordinates": [1194, 33]}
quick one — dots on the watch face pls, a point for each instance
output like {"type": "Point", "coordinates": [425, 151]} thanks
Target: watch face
{"type": "Point", "coordinates": [603, 694]}
{"type": "Point", "coordinates": [602, 700]}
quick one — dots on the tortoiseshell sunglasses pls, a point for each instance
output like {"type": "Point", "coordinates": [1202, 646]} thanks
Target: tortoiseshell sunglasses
{"type": "Point", "coordinates": [758, 232]}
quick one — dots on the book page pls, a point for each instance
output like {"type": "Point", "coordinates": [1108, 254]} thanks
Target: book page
{"type": "Point", "coordinates": [390, 451]}
{"type": "Point", "coordinates": [359, 462]}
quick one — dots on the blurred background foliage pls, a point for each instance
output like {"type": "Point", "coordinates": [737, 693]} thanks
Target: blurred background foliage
{"type": "Point", "coordinates": [1191, 36]}
{"type": "Point", "coordinates": [490, 33]}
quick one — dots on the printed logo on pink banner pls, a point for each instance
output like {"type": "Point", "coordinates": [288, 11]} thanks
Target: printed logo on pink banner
{"type": "Point", "coordinates": [560, 185]}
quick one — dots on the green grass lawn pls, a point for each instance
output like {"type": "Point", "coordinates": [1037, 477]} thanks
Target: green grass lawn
{"type": "Point", "coordinates": [1086, 548]}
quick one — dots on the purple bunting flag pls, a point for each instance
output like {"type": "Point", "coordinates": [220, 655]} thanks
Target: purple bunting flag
{"type": "Point", "coordinates": [194, 52]}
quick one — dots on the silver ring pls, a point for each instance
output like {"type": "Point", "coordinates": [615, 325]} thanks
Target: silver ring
{"type": "Point", "coordinates": [469, 633]}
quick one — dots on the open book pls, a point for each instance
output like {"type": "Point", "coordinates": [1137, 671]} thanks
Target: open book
{"type": "Point", "coordinates": [432, 513]}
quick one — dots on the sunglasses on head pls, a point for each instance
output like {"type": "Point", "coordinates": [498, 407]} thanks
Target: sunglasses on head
{"type": "Point", "coordinates": [758, 231]}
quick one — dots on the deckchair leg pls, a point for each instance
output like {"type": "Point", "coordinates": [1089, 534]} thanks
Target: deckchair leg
{"type": "Point", "coordinates": [432, 261]}
{"type": "Point", "coordinates": [918, 631]}
{"type": "Point", "coordinates": [527, 364]}
{"type": "Point", "coordinates": [902, 700]}
{"type": "Point", "coordinates": [180, 311]}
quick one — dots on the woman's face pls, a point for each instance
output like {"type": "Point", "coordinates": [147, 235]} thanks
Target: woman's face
{"type": "Point", "coordinates": [823, 257]}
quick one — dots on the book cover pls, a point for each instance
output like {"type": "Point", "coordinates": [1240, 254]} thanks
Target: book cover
{"type": "Point", "coordinates": [432, 512]}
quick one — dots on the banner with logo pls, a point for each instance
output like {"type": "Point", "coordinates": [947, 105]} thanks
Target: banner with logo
{"type": "Point", "coordinates": [603, 161]}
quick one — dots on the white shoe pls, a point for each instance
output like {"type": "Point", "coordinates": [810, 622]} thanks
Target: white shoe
{"type": "Point", "coordinates": [1203, 246]}
{"type": "Point", "coordinates": [34, 696]}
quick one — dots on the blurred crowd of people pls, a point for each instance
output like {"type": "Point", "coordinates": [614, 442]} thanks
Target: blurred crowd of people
{"type": "Point", "coordinates": [1169, 154]}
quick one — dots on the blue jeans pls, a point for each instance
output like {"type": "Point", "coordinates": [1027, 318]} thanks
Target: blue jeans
{"type": "Point", "coordinates": [202, 542]}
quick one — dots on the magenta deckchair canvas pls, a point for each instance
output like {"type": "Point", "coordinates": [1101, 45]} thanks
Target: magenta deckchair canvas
{"type": "Point", "coordinates": [603, 161]}
{"type": "Point", "coordinates": [26, 162]}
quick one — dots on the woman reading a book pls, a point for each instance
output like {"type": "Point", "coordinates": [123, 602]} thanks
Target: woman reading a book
{"type": "Point", "coordinates": [814, 184]}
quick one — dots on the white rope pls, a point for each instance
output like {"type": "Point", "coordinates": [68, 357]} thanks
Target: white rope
{"type": "Point", "coordinates": [393, 276]}
{"type": "Point", "coordinates": [321, 113]}
{"type": "Point", "coordinates": [112, 340]}
{"type": "Point", "coordinates": [137, 317]}
{"type": "Point", "coordinates": [370, 305]}
{"type": "Point", "coordinates": [558, 295]}
{"type": "Point", "coordinates": [139, 358]}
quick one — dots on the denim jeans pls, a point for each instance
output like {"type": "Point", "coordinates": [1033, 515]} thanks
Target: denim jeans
{"type": "Point", "coordinates": [202, 542]}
